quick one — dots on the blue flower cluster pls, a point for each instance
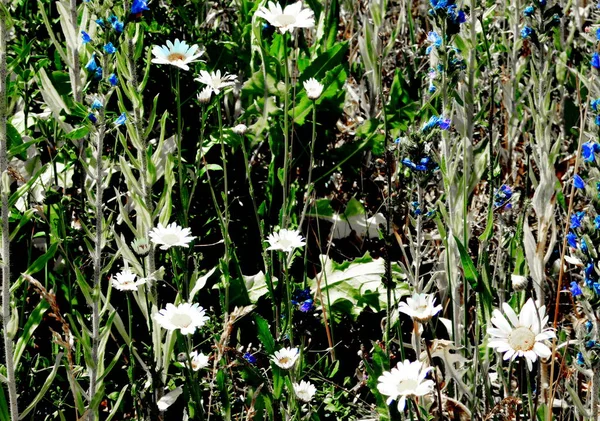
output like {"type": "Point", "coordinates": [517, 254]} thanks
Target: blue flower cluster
{"type": "Point", "coordinates": [436, 41]}
{"type": "Point", "coordinates": [529, 10]}
{"type": "Point", "coordinates": [527, 32]}
{"type": "Point", "coordinates": [425, 164]}
{"type": "Point", "coordinates": [590, 149]}
{"type": "Point", "coordinates": [446, 9]}
{"type": "Point", "coordinates": [436, 121]}
{"type": "Point", "coordinates": [138, 6]}
{"type": "Point", "coordinates": [303, 299]}
{"type": "Point", "coordinates": [502, 196]}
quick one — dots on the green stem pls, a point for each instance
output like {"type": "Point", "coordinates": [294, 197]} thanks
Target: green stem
{"type": "Point", "coordinates": [180, 167]}
{"type": "Point", "coordinates": [286, 137]}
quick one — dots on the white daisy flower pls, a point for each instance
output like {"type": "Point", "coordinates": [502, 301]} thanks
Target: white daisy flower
{"type": "Point", "coordinates": [406, 380]}
{"type": "Point", "coordinates": [286, 357]}
{"type": "Point", "coordinates": [421, 307]}
{"type": "Point", "coordinates": [240, 129]}
{"type": "Point", "coordinates": [521, 336]}
{"type": "Point", "coordinates": [198, 360]}
{"type": "Point", "coordinates": [288, 19]}
{"type": "Point", "coordinates": [186, 317]}
{"type": "Point", "coordinates": [214, 81]}
{"type": "Point", "coordinates": [304, 390]}
{"type": "Point", "coordinates": [171, 235]}
{"type": "Point", "coordinates": [125, 281]}
{"type": "Point", "coordinates": [285, 240]}
{"type": "Point", "coordinates": [313, 88]}
{"type": "Point", "coordinates": [177, 54]}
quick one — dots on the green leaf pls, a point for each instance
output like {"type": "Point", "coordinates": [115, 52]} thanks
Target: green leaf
{"type": "Point", "coordinates": [264, 334]}
{"type": "Point", "coordinates": [32, 323]}
{"type": "Point", "coordinates": [78, 133]}
{"type": "Point", "coordinates": [15, 141]}
{"type": "Point", "coordinates": [469, 269]}
{"type": "Point", "coordinates": [45, 386]}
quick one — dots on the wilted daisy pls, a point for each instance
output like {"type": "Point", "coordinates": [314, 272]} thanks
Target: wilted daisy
{"type": "Point", "coordinates": [285, 240]}
{"type": "Point", "coordinates": [313, 88]}
{"type": "Point", "coordinates": [186, 317]}
{"type": "Point", "coordinates": [178, 54]}
{"type": "Point", "coordinates": [286, 357]}
{"type": "Point", "coordinates": [421, 307]}
{"type": "Point", "coordinates": [288, 19]}
{"type": "Point", "coordinates": [125, 281]}
{"type": "Point", "coordinates": [304, 390]}
{"type": "Point", "coordinates": [204, 95]}
{"type": "Point", "coordinates": [406, 380]}
{"type": "Point", "coordinates": [214, 81]}
{"type": "Point", "coordinates": [521, 336]}
{"type": "Point", "coordinates": [171, 235]}
{"type": "Point", "coordinates": [199, 360]}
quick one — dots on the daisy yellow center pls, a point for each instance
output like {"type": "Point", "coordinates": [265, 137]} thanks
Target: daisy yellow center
{"type": "Point", "coordinates": [284, 360]}
{"type": "Point", "coordinates": [521, 339]}
{"type": "Point", "coordinates": [285, 20]}
{"type": "Point", "coordinates": [182, 320]}
{"type": "Point", "coordinates": [170, 238]}
{"type": "Point", "coordinates": [176, 57]}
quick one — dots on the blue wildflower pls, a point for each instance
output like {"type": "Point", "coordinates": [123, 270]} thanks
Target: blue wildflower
{"type": "Point", "coordinates": [502, 195]}
{"type": "Point", "coordinates": [529, 10]}
{"type": "Point", "coordinates": [578, 181]}
{"type": "Point", "coordinates": [572, 240]}
{"type": "Point", "coordinates": [98, 73]}
{"type": "Point", "coordinates": [576, 219]}
{"type": "Point", "coordinates": [597, 120]}
{"type": "Point", "coordinates": [575, 290]}
{"type": "Point", "coordinates": [86, 37]}
{"type": "Point", "coordinates": [456, 17]}
{"type": "Point", "coordinates": [409, 163]}
{"type": "Point", "coordinates": [526, 32]}
{"type": "Point", "coordinates": [118, 26]}
{"type": "Point", "coordinates": [590, 344]}
{"type": "Point", "coordinates": [250, 358]}
{"type": "Point", "coordinates": [96, 105]}
{"type": "Point", "coordinates": [595, 61]}
{"type": "Point", "coordinates": [306, 306]}
{"type": "Point", "coordinates": [580, 359]}
{"type": "Point", "coordinates": [92, 118]}
{"type": "Point", "coordinates": [300, 295]}
{"type": "Point", "coordinates": [121, 119]}
{"type": "Point", "coordinates": [438, 4]}
{"type": "Point", "coordinates": [432, 87]}
{"type": "Point", "coordinates": [434, 39]}
{"type": "Point", "coordinates": [588, 325]}
{"type": "Point", "coordinates": [444, 123]}
{"type": "Point", "coordinates": [91, 65]}
{"type": "Point", "coordinates": [596, 288]}
{"type": "Point", "coordinates": [110, 48]}
{"type": "Point", "coordinates": [100, 22]}
{"type": "Point", "coordinates": [584, 246]}
{"type": "Point", "coordinates": [138, 6]}
{"type": "Point", "coordinates": [542, 2]}
{"type": "Point", "coordinates": [431, 123]}
{"type": "Point", "coordinates": [597, 222]}
{"type": "Point", "coordinates": [598, 34]}
{"type": "Point", "coordinates": [594, 103]}
{"type": "Point", "coordinates": [113, 80]}
{"type": "Point", "coordinates": [588, 151]}
{"type": "Point", "coordinates": [417, 208]}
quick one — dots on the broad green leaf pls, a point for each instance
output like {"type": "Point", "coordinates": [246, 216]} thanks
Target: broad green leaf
{"type": "Point", "coordinates": [264, 334]}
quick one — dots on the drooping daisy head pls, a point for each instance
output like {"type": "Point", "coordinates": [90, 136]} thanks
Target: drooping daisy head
{"type": "Point", "coordinates": [421, 307]}
{"type": "Point", "coordinates": [406, 380]}
{"type": "Point", "coordinates": [304, 390]}
{"type": "Point", "coordinates": [185, 317]}
{"type": "Point", "coordinates": [285, 240]}
{"type": "Point", "coordinates": [125, 281]}
{"type": "Point", "coordinates": [288, 19]}
{"type": "Point", "coordinates": [313, 88]}
{"type": "Point", "coordinates": [171, 235]}
{"type": "Point", "coordinates": [214, 81]}
{"type": "Point", "coordinates": [523, 335]}
{"type": "Point", "coordinates": [177, 54]}
{"type": "Point", "coordinates": [198, 360]}
{"type": "Point", "coordinates": [286, 357]}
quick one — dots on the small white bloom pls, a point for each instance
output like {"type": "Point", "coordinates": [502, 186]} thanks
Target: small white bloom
{"type": "Point", "coordinates": [240, 129]}
{"type": "Point", "coordinates": [186, 317]}
{"type": "Point", "coordinates": [214, 81]}
{"type": "Point", "coordinates": [141, 246]}
{"type": "Point", "coordinates": [171, 235]}
{"type": "Point", "coordinates": [125, 281]}
{"type": "Point", "coordinates": [406, 380]}
{"type": "Point", "coordinates": [198, 360]}
{"type": "Point", "coordinates": [177, 54]}
{"type": "Point", "coordinates": [285, 240]}
{"type": "Point", "coordinates": [288, 19]}
{"type": "Point", "coordinates": [314, 88]}
{"type": "Point", "coordinates": [304, 390]}
{"type": "Point", "coordinates": [286, 357]}
{"type": "Point", "coordinates": [521, 336]}
{"type": "Point", "coordinates": [519, 282]}
{"type": "Point", "coordinates": [421, 307]}
{"type": "Point", "coordinates": [205, 95]}
{"type": "Point", "coordinates": [169, 399]}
